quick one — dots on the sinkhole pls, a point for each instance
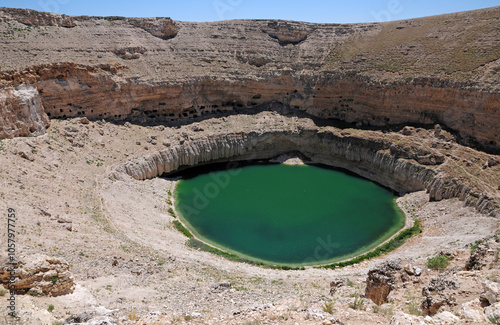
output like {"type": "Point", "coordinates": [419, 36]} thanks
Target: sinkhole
{"type": "Point", "coordinates": [286, 214]}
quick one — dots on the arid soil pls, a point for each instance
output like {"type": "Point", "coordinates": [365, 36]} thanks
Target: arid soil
{"type": "Point", "coordinates": [95, 110]}
{"type": "Point", "coordinates": [126, 256]}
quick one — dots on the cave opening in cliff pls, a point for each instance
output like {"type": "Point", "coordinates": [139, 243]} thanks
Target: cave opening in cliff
{"type": "Point", "coordinates": [286, 214]}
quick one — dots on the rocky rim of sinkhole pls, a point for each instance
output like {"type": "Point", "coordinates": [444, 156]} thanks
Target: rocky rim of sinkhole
{"type": "Point", "coordinates": [128, 264]}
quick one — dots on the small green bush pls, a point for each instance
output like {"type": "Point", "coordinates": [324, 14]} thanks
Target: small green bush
{"type": "Point", "coordinates": [328, 307]}
{"type": "Point", "coordinates": [439, 262]}
{"type": "Point", "coordinates": [475, 245]}
{"type": "Point", "coordinates": [171, 212]}
{"type": "Point", "coordinates": [493, 319]}
{"type": "Point", "coordinates": [182, 229]}
{"type": "Point", "coordinates": [51, 308]}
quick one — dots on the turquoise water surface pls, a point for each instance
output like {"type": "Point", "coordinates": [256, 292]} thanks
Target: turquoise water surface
{"type": "Point", "coordinates": [292, 215]}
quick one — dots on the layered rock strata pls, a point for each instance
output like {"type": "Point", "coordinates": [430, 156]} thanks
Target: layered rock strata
{"type": "Point", "coordinates": [21, 112]}
{"type": "Point", "coordinates": [39, 275]}
{"type": "Point", "coordinates": [370, 158]}
{"type": "Point", "coordinates": [159, 70]}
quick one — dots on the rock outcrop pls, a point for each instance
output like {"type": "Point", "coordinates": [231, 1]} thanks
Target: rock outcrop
{"type": "Point", "coordinates": [21, 112]}
{"type": "Point", "coordinates": [437, 293]}
{"type": "Point", "coordinates": [39, 275]}
{"type": "Point", "coordinates": [172, 71]}
{"type": "Point", "coordinates": [491, 294]}
{"type": "Point", "coordinates": [478, 258]}
{"type": "Point", "coordinates": [37, 19]}
{"type": "Point", "coordinates": [381, 281]}
{"type": "Point", "coordinates": [370, 158]}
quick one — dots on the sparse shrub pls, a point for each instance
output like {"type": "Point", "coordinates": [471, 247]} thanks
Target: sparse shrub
{"type": "Point", "coordinates": [385, 310]}
{"type": "Point", "coordinates": [3, 292]}
{"type": "Point", "coordinates": [390, 246]}
{"type": "Point", "coordinates": [413, 308]}
{"type": "Point", "coordinates": [182, 229]}
{"type": "Point", "coordinates": [493, 319]}
{"type": "Point", "coordinates": [133, 316]}
{"type": "Point", "coordinates": [240, 288]}
{"type": "Point", "coordinates": [53, 279]}
{"type": "Point", "coordinates": [328, 307]}
{"type": "Point", "coordinates": [171, 212]}
{"type": "Point", "coordinates": [475, 245]}
{"type": "Point", "coordinates": [439, 262]}
{"type": "Point", "coordinates": [51, 308]}
{"type": "Point", "coordinates": [349, 283]}
{"type": "Point", "coordinates": [358, 303]}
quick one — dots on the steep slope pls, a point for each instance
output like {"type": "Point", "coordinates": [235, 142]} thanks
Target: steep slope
{"type": "Point", "coordinates": [440, 69]}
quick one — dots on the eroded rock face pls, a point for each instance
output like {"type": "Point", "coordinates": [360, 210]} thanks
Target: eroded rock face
{"type": "Point", "coordinates": [163, 28]}
{"type": "Point", "coordinates": [405, 319]}
{"type": "Point", "coordinates": [285, 33]}
{"type": "Point", "coordinates": [40, 275]}
{"type": "Point", "coordinates": [365, 157]}
{"type": "Point", "coordinates": [491, 294]}
{"type": "Point", "coordinates": [478, 258]}
{"type": "Point", "coordinates": [228, 66]}
{"type": "Point", "coordinates": [436, 294]}
{"type": "Point", "coordinates": [492, 312]}
{"type": "Point", "coordinates": [381, 281]}
{"type": "Point", "coordinates": [21, 112]}
{"type": "Point", "coordinates": [36, 18]}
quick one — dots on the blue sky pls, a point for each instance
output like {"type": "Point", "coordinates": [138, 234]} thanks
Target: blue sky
{"type": "Point", "coordinates": [326, 11]}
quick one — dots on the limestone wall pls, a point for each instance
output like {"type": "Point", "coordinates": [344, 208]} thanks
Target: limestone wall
{"type": "Point", "coordinates": [369, 158]}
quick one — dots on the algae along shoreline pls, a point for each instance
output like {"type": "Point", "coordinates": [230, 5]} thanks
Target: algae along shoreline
{"type": "Point", "coordinates": [285, 215]}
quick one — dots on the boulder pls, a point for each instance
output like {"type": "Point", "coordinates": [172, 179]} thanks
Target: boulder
{"type": "Point", "coordinates": [492, 313]}
{"type": "Point", "coordinates": [491, 292]}
{"type": "Point", "coordinates": [381, 280]}
{"type": "Point", "coordinates": [218, 287]}
{"type": "Point", "coordinates": [21, 112]}
{"type": "Point", "coordinates": [436, 294]}
{"type": "Point", "coordinates": [39, 275]}
{"type": "Point", "coordinates": [446, 318]}
{"type": "Point", "coordinates": [472, 311]}
{"type": "Point", "coordinates": [477, 259]}
{"type": "Point", "coordinates": [337, 283]}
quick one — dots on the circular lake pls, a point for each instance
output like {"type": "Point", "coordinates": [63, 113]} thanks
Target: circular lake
{"type": "Point", "coordinates": [288, 215]}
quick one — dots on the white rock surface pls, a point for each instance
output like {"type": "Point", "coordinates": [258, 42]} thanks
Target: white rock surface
{"type": "Point", "coordinates": [492, 312]}
{"type": "Point", "coordinates": [472, 311]}
{"type": "Point", "coordinates": [404, 319]}
{"type": "Point", "coordinates": [491, 291]}
{"type": "Point", "coordinates": [446, 318]}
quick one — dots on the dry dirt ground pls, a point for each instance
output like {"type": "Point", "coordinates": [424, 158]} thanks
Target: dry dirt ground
{"type": "Point", "coordinates": [132, 266]}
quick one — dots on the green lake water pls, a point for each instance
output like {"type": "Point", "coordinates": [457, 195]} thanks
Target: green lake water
{"type": "Point", "coordinates": [289, 215]}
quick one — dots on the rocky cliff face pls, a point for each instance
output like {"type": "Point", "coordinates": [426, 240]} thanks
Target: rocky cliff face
{"type": "Point", "coordinates": [21, 112]}
{"type": "Point", "coordinates": [370, 158]}
{"type": "Point", "coordinates": [157, 70]}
